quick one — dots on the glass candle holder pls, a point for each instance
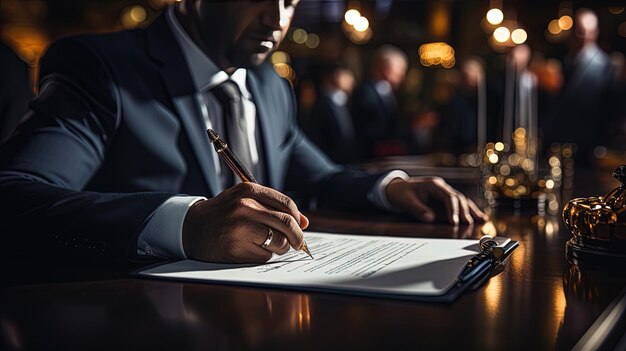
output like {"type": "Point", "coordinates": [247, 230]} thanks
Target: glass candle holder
{"type": "Point", "coordinates": [513, 177]}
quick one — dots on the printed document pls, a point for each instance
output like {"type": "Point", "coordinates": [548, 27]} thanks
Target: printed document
{"type": "Point", "coordinates": [361, 264]}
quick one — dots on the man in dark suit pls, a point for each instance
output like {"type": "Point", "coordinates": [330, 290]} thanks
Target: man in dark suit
{"type": "Point", "coordinates": [115, 159]}
{"type": "Point", "coordinates": [331, 126]}
{"type": "Point", "coordinates": [375, 107]}
{"type": "Point", "coordinates": [588, 100]}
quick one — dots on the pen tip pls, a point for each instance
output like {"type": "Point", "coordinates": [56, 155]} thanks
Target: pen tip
{"type": "Point", "coordinates": [305, 248]}
{"type": "Point", "coordinates": [213, 136]}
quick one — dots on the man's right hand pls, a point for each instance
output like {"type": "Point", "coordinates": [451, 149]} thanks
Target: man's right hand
{"type": "Point", "coordinates": [232, 226]}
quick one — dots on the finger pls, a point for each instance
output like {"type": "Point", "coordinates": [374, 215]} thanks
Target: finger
{"type": "Point", "coordinates": [445, 194]}
{"type": "Point", "coordinates": [265, 217]}
{"type": "Point", "coordinates": [286, 225]}
{"type": "Point", "coordinates": [452, 208]}
{"type": "Point", "coordinates": [464, 212]}
{"type": "Point", "coordinates": [476, 212]}
{"type": "Point", "coordinates": [272, 198]}
{"type": "Point", "coordinates": [304, 221]}
{"type": "Point", "coordinates": [450, 202]}
{"type": "Point", "coordinates": [418, 209]}
{"type": "Point", "coordinates": [276, 242]}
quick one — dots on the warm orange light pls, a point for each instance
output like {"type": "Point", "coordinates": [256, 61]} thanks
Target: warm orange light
{"type": "Point", "coordinates": [280, 57]}
{"type": "Point", "coordinates": [284, 70]}
{"type": "Point", "coordinates": [138, 14]}
{"type": "Point", "coordinates": [566, 22]}
{"type": "Point", "coordinates": [133, 16]}
{"type": "Point", "coordinates": [28, 42]}
{"type": "Point", "coordinates": [438, 53]}
{"type": "Point", "coordinates": [554, 27]}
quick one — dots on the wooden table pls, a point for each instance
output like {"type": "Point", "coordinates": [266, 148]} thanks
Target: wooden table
{"type": "Point", "coordinates": [540, 301]}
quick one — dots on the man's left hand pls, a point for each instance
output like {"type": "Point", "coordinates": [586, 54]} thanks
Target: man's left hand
{"type": "Point", "coordinates": [430, 198]}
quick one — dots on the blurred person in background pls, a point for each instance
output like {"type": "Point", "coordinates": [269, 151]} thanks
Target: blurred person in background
{"type": "Point", "coordinates": [15, 91]}
{"type": "Point", "coordinates": [473, 94]}
{"type": "Point", "coordinates": [375, 108]}
{"type": "Point", "coordinates": [549, 74]}
{"type": "Point", "coordinates": [520, 109]}
{"type": "Point", "coordinates": [331, 126]}
{"type": "Point", "coordinates": [458, 131]}
{"type": "Point", "coordinates": [587, 103]}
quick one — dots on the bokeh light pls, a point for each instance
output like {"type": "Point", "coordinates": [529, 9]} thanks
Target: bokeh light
{"type": "Point", "coordinates": [352, 16]}
{"type": "Point", "coordinates": [566, 22]}
{"type": "Point", "coordinates": [438, 53]}
{"type": "Point", "coordinates": [519, 36]}
{"type": "Point", "coordinates": [299, 36]}
{"type": "Point", "coordinates": [280, 57]}
{"type": "Point", "coordinates": [133, 16]}
{"type": "Point", "coordinates": [554, 27]}
{"type": "Point", "coordinates": [501, 34]}
{"type": "Point", "coordinates": [495, 16]}
{"type": "Point", "coordinates": [312, 41]}
{"type": "Point", "coordinates": [362, 24]}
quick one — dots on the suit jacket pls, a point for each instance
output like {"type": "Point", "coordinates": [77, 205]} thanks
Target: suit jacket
{"type": "Point", "coordinates": [375, 116]}
{"type": "Point", "coordinates": [333, 131]}
{"type": "Point", "coordinates": [116, 130]}
{"type": "Point", "coordinates": [587, 102]}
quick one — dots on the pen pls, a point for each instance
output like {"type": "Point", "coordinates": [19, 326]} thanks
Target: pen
{"type": "Point", "coordinates": [490, 253]}
{"type": "Point", "coordinates": [237, 167]}
{"type": "Point", "coordinates": [475, 266]}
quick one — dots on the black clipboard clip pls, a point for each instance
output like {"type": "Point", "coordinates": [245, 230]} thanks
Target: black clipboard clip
{"type": "Point", "coordinates": [487, 263]}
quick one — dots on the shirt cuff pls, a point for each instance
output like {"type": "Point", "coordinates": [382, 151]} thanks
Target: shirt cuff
{"type": "Point", "coordinates": [378, 196]}
{"type": "Point", "coordinates": [163, 235]}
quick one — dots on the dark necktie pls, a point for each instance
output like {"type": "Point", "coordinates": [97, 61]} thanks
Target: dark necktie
{"type": "Point", "coordinates": [229, 95]}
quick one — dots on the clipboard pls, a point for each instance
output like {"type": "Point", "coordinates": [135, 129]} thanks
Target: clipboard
{"type": "Point", "coordinates": [415, 269]}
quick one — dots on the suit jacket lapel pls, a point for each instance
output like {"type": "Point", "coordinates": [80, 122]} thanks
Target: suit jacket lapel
{"type": "Point", "coordinates": [177, 80]}
{"type": "Point", "coordinates": [269, 138]}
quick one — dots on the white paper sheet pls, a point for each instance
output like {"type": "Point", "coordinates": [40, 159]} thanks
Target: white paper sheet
{"type": "Point", "coordinates": [357, 263]}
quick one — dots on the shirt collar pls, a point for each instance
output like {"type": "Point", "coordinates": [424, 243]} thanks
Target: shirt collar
{"type": "Point", "coordinates": [204, 72]}
{"type": "Point", "coordinates": [587, 53]}
{"type": "Point", "coordinates": [383, 87]}
{"type": "Point", "coordinates": [337, 96]}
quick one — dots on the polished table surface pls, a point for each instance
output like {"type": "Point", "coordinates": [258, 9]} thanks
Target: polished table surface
{"type": "Point", "coordinates": [540, 301]}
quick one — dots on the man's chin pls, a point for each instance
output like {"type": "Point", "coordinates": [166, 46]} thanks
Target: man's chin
{"type": "Point", "coordinates": [251, 60]}
{"type": "Point", "coordinates": [258, 59]}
